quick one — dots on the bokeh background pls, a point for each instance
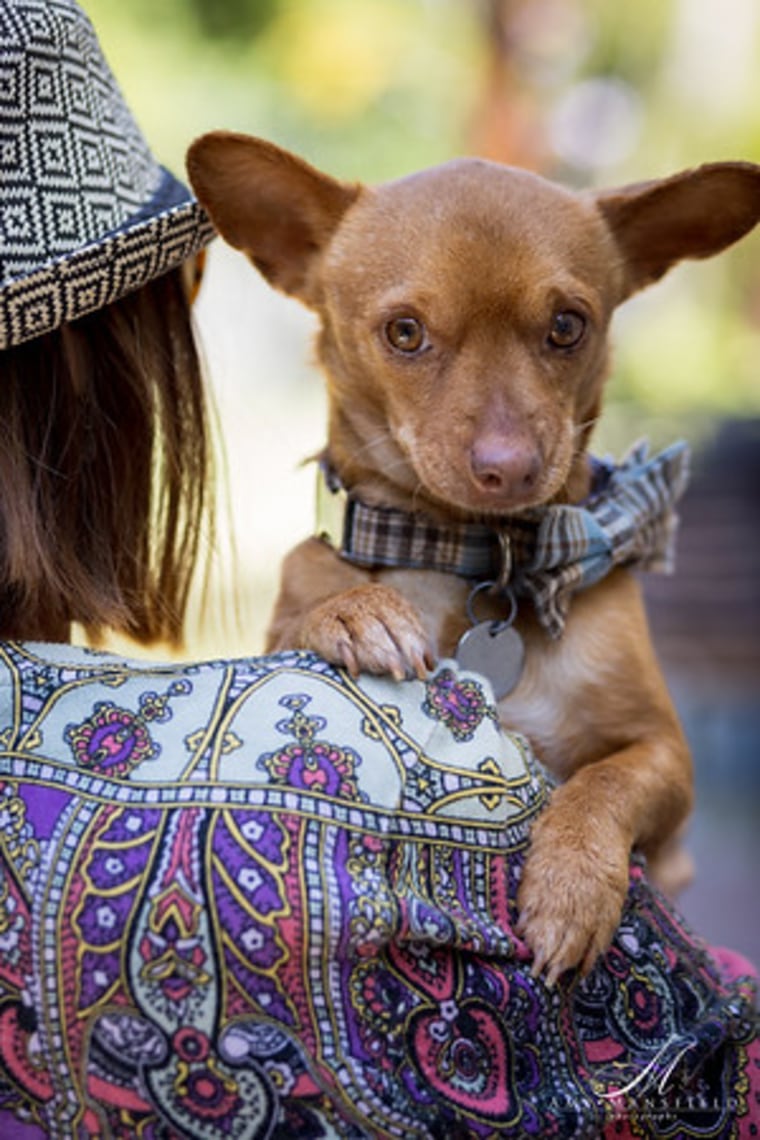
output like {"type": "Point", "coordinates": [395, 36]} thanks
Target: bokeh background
{"type": "Point", "coordinates": [592, 93]}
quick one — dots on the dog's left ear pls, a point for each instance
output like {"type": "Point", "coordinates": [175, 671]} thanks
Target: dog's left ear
{"type": "Point", "coordinates": [268, 203]}
{"type": "Point", "coordinates": [693, 214]}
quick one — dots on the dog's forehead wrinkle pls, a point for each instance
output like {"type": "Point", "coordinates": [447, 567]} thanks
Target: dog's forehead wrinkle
{"type": "Point", "coordinates": [491, 302]}
{"type": "Point", "coordinates": [383, 251]}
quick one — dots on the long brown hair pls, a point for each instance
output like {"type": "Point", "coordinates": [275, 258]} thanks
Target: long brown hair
{"type": "Point", "coordinates": [105, 471]}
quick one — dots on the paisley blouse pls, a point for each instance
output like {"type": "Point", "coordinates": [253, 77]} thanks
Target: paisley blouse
{"type": "Point", "coordinates": [256, 898]}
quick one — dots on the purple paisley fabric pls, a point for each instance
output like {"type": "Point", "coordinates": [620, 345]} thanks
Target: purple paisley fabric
{"type": "Point", "coordinates": [258, 899]}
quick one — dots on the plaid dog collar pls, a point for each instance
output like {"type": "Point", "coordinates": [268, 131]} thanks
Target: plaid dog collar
{"type": "Point", "coordinates": [545, 554]}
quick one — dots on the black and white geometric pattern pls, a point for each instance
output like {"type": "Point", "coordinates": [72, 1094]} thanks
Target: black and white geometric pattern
{"type": "Point", "coordinates": [86, 212]}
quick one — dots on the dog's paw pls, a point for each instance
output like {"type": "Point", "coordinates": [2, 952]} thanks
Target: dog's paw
{"type": "Point", "coordinates": [369, 629]}
{"type": "Point", "coordinates": [571, 894]}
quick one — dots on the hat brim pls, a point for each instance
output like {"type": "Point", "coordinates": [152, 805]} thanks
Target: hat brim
{"type": "Point", "coordinates": [168, 230]}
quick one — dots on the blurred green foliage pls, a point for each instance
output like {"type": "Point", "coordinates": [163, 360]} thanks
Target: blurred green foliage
{"type": "Point", "coordinates": [375, 88]}
{"type": "Point", "coordinates": [371, 88]}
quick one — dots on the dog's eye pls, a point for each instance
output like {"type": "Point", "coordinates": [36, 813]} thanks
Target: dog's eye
{"type": "Point", "coordinates": [567, 329]}
{"type": "Point", "coordinates": [405, 334]}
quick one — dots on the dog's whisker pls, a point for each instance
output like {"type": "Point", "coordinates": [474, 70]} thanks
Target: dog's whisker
{"type": "Point", "coordinates": [371, 444]}
{"type": "Point", "coordinates": [586, 425]}
{"type": "Point", "coordinates": [418, 491]}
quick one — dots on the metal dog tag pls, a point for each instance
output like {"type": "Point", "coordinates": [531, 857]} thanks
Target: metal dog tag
{"type": "Point", "coordinates": [496, 650]}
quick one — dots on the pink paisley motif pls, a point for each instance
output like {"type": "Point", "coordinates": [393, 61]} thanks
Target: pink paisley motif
{"type": "Point", "coordinates": [112, 740]}
{"type": "Point", "coordinates": [17, 1060]}
{"type": "Point", "coordinates": [173, 955]}
{"type": "Point", "coordinates": [464, 1054]}
{"type": "Point", "coordinates": [314, 777]}
{"type": "Point", "coordinates": [597, 1052]}
{"type": "Point", "coordinates": [459, 704]}
{"type": "Point", "coordinates": [425, 967]}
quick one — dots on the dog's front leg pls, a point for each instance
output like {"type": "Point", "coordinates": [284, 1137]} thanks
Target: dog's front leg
{"type": "Point", "coordinates": [575, 876]}
{"type": "Point", "coordinates": [342, 613]}
{"type": "Point", "coordinates": [597, 710]}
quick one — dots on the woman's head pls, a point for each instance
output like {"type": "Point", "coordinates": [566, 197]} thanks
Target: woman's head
{"type": "Point", "coordinates": [103, 438]}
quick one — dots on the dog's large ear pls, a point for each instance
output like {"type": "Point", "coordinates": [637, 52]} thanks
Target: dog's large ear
{"type": "Point", "coordinates": [693, 214]}
{"type": "Point", "coordinates": [267, 202]}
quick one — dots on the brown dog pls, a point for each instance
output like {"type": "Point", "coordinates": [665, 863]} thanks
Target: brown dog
{"type": "Point", "coordinates": [464, 314]}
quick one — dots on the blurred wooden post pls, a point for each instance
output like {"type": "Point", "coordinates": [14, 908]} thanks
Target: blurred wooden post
{"type": "Point", "coordinates": [508, 123]}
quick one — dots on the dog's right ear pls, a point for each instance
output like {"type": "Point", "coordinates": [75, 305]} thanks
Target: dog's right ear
{"type": "Point", "coordinates": [268, 203]}
{"type": "Point", "coordinates": [694, 214]}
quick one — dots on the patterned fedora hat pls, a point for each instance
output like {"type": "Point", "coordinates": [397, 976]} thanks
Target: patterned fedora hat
{"type": "Point", "coordinates": [87, 214]}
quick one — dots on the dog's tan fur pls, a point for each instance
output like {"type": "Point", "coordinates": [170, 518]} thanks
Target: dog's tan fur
{"type": "Point", "coordinates": [485, 417]}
